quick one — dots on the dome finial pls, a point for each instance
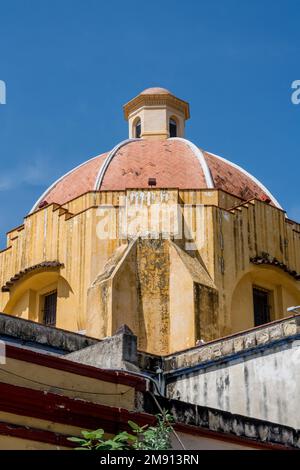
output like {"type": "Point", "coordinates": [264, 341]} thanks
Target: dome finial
{"type": "Point", "coordinates": [156, 113]}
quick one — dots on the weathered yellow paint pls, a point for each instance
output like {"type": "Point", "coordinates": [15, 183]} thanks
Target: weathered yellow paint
{"type": "Point", "coordinates": [146, 284]}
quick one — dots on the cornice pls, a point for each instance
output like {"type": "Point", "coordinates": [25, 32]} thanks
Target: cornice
{"type": "Point", "coordinates": [156, 100]}
{"type": "Point", "coordinates": [32, 269]}
{"type": "Point", "coordinates": [266, 259]}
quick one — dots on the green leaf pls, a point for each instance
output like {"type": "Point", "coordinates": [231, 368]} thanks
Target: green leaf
{"type": "Point", "coordinates": [110, 444]}
{"type": "Point", "coordinates": [103, 446]}
{"type": "Point", "coordinates": [155, 437]}
{"type": "Point", "coordinates": [76, 439]}
{"type": "Point", "coordinates": [134, 426]}
{"type": "Point", "coordinates": [93, 435]}
{"type": "Point", "coordinates": [87, 444]}
{"type": "Point", "coordinates": [123, 436]}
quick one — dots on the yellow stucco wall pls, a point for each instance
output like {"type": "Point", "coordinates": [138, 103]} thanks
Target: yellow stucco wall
{"type": "Point", "coordinates": [182, 332]}
{"type": "Point", "coordinates": [223, 240]}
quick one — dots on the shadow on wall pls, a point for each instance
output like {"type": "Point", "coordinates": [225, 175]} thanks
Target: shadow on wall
{"type": "Point", "coordinates": [283, 291]}
{"type": "Point", "coordinates": [27, 296]}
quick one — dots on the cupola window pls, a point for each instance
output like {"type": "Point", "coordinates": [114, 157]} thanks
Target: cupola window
{"type": "Point", "coordinates": [173, 128]}
{"type": "Point", "coordinates": [138, 128]}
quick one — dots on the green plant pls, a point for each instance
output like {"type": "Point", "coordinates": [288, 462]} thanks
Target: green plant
{"type": "Point", "coordinates": [94, 440]}
{"type": "Point", "coordinates": [156, 437]}
{"type": "Point", "coordinates": [153, 437]}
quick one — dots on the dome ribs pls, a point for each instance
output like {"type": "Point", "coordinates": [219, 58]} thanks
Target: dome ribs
{"type": "Point", "coordinates": [174, 163]}
{"type": "Point", "coordinates": [171, 162]}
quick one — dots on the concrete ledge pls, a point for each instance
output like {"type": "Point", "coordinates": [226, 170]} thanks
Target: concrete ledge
{"type": "Point", "coordinates": [116, 352]}
{"type": "Point", "coordinates": [36, 335]}
{"type": "Point", "coordinates": [258, 431]}
{"type": "Point", "coordinates": [236, 344]}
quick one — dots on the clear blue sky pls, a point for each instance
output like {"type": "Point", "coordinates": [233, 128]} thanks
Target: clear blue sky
{"type": "Point", "coordinates": [69, 65]}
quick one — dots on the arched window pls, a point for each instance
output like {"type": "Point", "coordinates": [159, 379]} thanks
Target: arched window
{"type": "Point", "coordinates": [172, 127]}
{"type": "Point", "coordinates": [137, 129]}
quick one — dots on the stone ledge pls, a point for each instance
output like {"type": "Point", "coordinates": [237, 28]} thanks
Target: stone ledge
{"type": "Point", "coordinates": [115, 352]}
{"type": "Point", "coordinates": [257, 430]}
{"type": "Point", "coordinates": [45, 337]}
{"type": "Point", "coordinates": [235, 344]}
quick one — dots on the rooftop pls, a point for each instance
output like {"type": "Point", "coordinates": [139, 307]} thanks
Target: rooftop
{"type": "Point", "coordinates": [189, 418]}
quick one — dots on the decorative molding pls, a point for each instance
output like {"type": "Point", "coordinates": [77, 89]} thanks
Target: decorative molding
{"type": "Point", "coordinates": [266, 259]}
{"type": "Point", "coordinates": [157, 100]}
{"type": "Point", "coordinates": [40, 266]}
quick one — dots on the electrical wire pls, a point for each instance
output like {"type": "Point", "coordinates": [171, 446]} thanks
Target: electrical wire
{"type": "Point", "coordinates": [151, 379]}
{"type": "Point", "coordinates": [103, 394]}
{"type": "Point", "coordinates": [62, 388]}
{"type": "Point", "coordinates": [168, 422]}
{"type": "Point", "coordinates": [144, 376]}
{"type": "Point", "coordinates": [138, 374]}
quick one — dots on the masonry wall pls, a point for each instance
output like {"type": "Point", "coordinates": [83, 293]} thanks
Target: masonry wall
{"type": "Point", "coordinates": [224, 238]}
{"type": "Point", "coordinates": [256, 374]}
{"type": "Point", "coordinates": [251, 230]}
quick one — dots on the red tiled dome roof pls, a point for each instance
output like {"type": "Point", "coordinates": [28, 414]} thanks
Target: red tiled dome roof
{"type": "Point", "coordinates": [174, 163]}
{"type": "Point", "coordinates": [73, 184]}
{"type": "Point", "coordinates": [169, 161]}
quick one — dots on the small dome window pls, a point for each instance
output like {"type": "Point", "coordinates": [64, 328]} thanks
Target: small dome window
{"type": "Point", "coordinates": [137, 129]}
{"type": "Point", "coordinates": [173, 128]}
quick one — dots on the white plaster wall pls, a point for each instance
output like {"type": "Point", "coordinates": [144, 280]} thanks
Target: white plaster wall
{"type": "Point", "coordinates": [265, 385]}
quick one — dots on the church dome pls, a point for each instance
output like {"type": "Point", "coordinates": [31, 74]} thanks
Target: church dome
{"type": "Point", "coordinates": [171, 163]}
{"type": "Point", "coordinates": [156, 154]}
